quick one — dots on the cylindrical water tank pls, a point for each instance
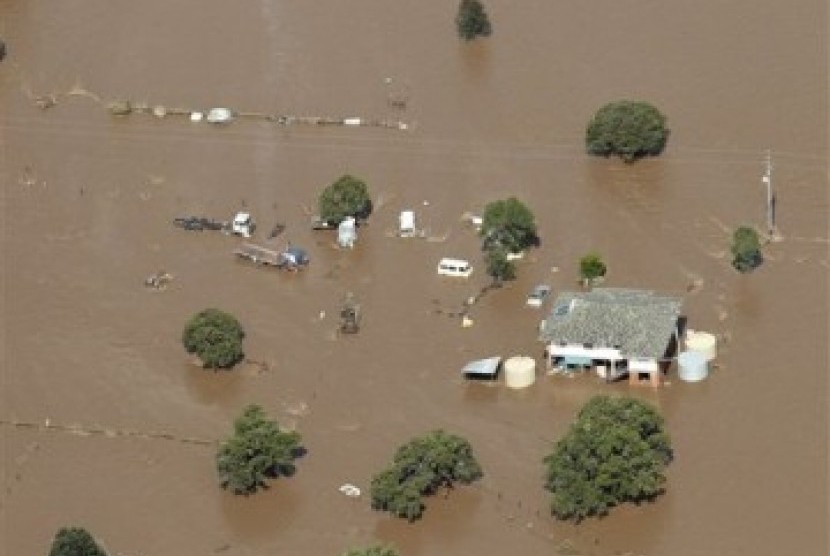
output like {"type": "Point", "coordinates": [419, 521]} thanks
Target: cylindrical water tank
{"type": "Point", "coordinates": [692, 366]}
{"type": "Point", "coordinates": [519, 372]}
{"type": "Point", "coordinates": [702, 342]}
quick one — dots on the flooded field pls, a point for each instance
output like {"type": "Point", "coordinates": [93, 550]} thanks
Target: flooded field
{"type": "Point", "coordinates": [88, 203]}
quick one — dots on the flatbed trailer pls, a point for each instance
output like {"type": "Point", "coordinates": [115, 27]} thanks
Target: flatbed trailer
{"type": "Point", "coordinates": [259, 255]}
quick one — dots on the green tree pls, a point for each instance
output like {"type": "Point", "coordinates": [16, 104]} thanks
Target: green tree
{"type": "Point", "coordinates": [376, 550]}
{"type": "Point", "coordinates": [508, 224]}
{"type": "Point", "coordinates": [421, 467]}
{"type": "Point", "coordinates": [472, 20]}
{"type": "Point", "coordinates": [498, 267]}
{"type": "Point", "coordinates": [591, 267]}
{"type": "Point", "coordinates": [216, 337]}
{"type": "Point", "coordinates": [257, 451]}
{"type": "Point", "coordinates": [348, 196]}
{"type": "Point", "coordinates": [615, 452]}
{"type": "Point", "coordinates": [75, 541]}
{"type": "Point", "coordinates": [629, 129]}
{"type": "Point", "coordinates": [746, 249]}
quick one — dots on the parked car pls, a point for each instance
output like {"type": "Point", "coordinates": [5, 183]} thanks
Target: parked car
{"type": "Point", "coordinates": [538, 295]}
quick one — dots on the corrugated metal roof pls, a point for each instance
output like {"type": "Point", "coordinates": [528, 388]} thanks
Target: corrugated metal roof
{"type": "Point", "coordinates": [482, 367]}
{"type": "Point", "coordinates": [638, 322]}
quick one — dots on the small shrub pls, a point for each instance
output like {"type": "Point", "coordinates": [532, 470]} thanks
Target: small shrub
{"type": "Point", "coordinates": [591, 268]}
{"type": "Point", "coordinates": [75, 541]}
{"type": "Point", "coordinates": [746, 249]}
{"type": "Point", "coordinates": [472, 20]}
{"type": "Point", "coordinates": [216, 337]}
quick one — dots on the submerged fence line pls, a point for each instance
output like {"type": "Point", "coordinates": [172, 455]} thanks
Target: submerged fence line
{"type": "Point", "coordinates": [80, 430]}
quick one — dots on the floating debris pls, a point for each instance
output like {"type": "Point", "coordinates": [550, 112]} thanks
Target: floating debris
{"type": "Point", "coordinates": [159, 280]}
{"type": "Point", "coordinates": [349, 490]}
{"type": "Point", "coordinates": [120, 107]}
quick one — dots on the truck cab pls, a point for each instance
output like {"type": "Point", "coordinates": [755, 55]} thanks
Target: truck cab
{"type": "Point", "coordinates": [243, 224]}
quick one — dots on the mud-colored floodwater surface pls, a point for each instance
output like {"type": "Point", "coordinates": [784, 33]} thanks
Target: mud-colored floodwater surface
{"type": "Point", "coordinates": [87, 210]}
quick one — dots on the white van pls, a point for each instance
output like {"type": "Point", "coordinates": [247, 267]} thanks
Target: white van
{"type": "Point", "coordinates": [454, 267]}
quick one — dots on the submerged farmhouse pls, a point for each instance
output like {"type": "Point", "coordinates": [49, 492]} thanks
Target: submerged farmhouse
{"type": "Point", "coordinates": [617, 331]}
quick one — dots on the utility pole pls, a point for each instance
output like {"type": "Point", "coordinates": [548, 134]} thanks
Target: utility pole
{"type": "Point", "coordinates": [767, 179]}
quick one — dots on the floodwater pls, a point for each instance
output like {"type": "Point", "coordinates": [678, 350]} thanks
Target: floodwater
{"type": "Point", "coordinates": [88, 202]}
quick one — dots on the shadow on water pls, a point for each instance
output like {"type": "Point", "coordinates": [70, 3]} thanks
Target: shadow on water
{"type": "Point", "coordinates": [475, 58]}
{"type": "Point", "coordinates": [447, 520]}
{"type": "Point", "coordinates": [263, 514]}
{"type": "Point", "coordinates": [219, 387]}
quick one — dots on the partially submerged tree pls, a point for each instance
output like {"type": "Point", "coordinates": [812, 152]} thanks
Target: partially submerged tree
{"type": "Point", "coordinates": [508, 224]}
{"type": "Point", "coordinates": [472, 20]}
{"type": "Point", "coordinates": [420, 468]}
{"type": "Point", "coordinates": [591, 268]}
{"type": "Point", "coordinates": [75, 541]}
{"type": "Point", "coordinates": [257, 451]}
{"type": "Point", "coordinates": [746, 249]}
{"type": "Point", "coordinates": [216, 337]}
{"type": "Point", "coordinates": [498, 266]}
{"type": "Point", "coordinates": [615, 452]}
{"type": "Point", "coordinates": [348, 196]}
{"type": "Point", "coordinates": [629, 129]}
{"type": "Point", "coordinates": [376, 550]}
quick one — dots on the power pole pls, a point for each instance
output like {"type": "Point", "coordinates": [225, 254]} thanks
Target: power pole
{"type": "Point", "coordinates": [767, 179]}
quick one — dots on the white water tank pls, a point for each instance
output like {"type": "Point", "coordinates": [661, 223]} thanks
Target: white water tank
{"type": "Point", "coordinates": [519, 372]}
{"type": "Point", "coordinates": [692, 366]}
{"type": "Point", "coordinates": [702, 342]}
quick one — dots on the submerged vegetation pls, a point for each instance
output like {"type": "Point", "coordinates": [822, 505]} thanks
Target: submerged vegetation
{"type": "Point", "coordinates": [257, 451]}
{"type": "Point", "coordinates": [75, 541]}
{"type": "Point", "coordinates": [472, 20]}
{"type": "Point", "coordinates": [216, 337]}
{"type": "Point", "coordinates": [615, 452]}
{"type": "Point", "coordinates": [421, 467]}
{"type": "Point", "coordinates": [348, 196]}
{"type": "Point", "coordinates": [628, 129]}
{"type": "Point", "coordinates": [746, 249]}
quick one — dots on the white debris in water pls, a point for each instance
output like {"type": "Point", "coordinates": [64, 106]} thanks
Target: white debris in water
{"type": "Point", "coordinates": [350, 490]}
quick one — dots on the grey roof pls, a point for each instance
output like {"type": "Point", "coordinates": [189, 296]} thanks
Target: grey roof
{"type": "Point", "coordinates": [638, 322]}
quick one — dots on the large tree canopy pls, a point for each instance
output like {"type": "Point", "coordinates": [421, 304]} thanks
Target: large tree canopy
{"type": "Point", "coordinates": [615, 452]}
{"type": "Point", "coordinates": [257, 451]}
{"type": "Point", "coordinates": [508, 224]}
{"type": "Point", "coordinates": [421, 467]}
{"type": "Point", "coordinates": [75, 541]}
{"type": "Point", "coordinates": [629, 129]}
{"type": "Point", "coordinates": [348, 196]}
{"type": "Point", "coordinates": [216, 337]}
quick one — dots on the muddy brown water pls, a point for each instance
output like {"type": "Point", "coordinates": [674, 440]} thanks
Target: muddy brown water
{"type": "Point", "coordinates": [88, 202]}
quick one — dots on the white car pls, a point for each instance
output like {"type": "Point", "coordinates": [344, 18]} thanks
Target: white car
{"type": "Point", "coordinates": [454, 267]}
{"type": "Point", "coordinates": [538, 295]}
